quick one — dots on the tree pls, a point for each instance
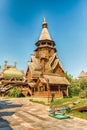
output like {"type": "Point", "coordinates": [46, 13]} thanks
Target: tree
{"type": "Point", "coordinates": [74, 88]}
{"type": "Point", "coordinates": [83, 83]}
{"type": "Point", "coordinates": [83, 87]}
{"type": "Point", "coordinates": [69, 77]}
{"type": "Point", "coordinates": [82, 94]}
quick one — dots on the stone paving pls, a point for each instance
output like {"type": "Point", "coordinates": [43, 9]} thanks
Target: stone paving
{"type": "Point", "coordinates": [20, 114]}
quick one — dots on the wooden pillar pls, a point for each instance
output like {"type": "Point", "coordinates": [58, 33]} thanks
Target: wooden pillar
{"type": "Point", "coordinates": [59, 91]}
{"type": "Point", "coordinates": [48, 89]}
{"type": "Point", "coordinates": [67, 90]}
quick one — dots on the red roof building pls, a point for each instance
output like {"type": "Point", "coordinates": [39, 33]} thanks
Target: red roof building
{"type": "Point", "coordinates": [83, 74]}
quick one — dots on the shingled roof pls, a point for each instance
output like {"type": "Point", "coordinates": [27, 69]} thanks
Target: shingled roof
{"type": "Point", "coordinates": [54, 79]}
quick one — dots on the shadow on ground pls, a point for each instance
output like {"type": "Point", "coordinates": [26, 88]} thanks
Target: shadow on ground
{"type": "Point", "coordinates": [6, 105]}
{"type": "Point", "coordinates": [4, 124]}
{"type": "Point", "coordinates": [7, 109]}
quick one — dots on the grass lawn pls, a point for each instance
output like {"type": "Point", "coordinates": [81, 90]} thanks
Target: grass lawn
{"type": "Point", "coordinates": [82, 115]}
{"type": "Point", "coordinates": [72, 103]}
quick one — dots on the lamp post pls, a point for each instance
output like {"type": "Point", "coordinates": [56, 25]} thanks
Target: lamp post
{"type": "Point", "coordinates": [48, 89]}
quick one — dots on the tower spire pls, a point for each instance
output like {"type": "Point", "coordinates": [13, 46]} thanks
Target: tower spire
{"type": "Point", "coordinates": [44, 33]}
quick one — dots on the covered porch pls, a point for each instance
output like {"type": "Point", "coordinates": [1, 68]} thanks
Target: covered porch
{"type": "Point", "coordinates": [50, 85]}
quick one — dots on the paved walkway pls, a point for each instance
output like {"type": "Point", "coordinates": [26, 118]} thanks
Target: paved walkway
{"type": "Point", "coordinates": [20, 114]}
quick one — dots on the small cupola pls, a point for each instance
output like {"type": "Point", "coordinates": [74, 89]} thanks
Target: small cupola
{"type": "Point", "coordinates": [44, 24]}
{"type": "Point", "coordinates": [44, 33]}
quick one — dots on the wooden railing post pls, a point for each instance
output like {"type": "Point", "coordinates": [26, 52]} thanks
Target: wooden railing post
{"type": "Point", "coordinates": [48, 89]}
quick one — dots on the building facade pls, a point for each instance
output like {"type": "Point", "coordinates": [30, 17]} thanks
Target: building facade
{"type": "Point", "coordinates": [10, 78]}
{"type": "Point", "coordinates": [45, 73]}
{"type": "Point", "coordinates": [83, 74]}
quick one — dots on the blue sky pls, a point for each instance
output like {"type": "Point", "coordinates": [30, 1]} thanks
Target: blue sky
{"type": "Point", "coordinates": [20, 27]}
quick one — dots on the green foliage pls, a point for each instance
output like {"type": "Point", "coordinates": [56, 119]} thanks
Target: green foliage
{"type": "Point", "coordinates": [76, 91]}
{"type": "Point", "coordinates": [83, 102]}
{"type": "Point", "coordinates": [83, 83]}
{"type": "Point", "coordinates": [77, 86]}
{"type": "Point", "coordinates": [35, 101]}
{"type": "Point", "coordinates": [83, 87]}
{"type": "Point", "coordinates": [63, 102]}
{"type": "Point", "coordinates": [41, 75]}
{"type": "Point", "coordinates": [82, 115]}
{"type": "Point", "coordinates": [69, 77]}
{"type": "Point", "coordinates": [69, 102]}
{"type": "Point", "coordinates": [73, 91]}
{"type": "Point", "coordinates": [15, 93]}
{"type": "Point", "coordinates": [51, 71]}
{"type": "Point", "coordinates": [70, 92]}
{"type": "Point", "coordinates": [82, 94]}
{"type": "Point", "coordinates": [86, 93]}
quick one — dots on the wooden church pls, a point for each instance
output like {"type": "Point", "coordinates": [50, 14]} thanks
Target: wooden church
{"type": "Point", "coordinates": [45, 74]}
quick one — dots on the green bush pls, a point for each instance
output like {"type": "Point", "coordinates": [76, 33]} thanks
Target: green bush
{"type": "Point", "coordinates": [73, 91]}
{"type": "Point", "coordinates": [82, 94]}
{"type": "Point", "coordinates": [86, 93]}
{"type": "Point", "coordinates": [15, 93]}
{"type": "Point", "coordinates": [83, 83]}
{"type": "Point", "coordinates": [51, 71]}
{"type": "Point", "coordinates": [70, 92]}
{"type": "Point", "coordinates": [41, 75]}
{"type": "Point", "coordinates": [76, 91]}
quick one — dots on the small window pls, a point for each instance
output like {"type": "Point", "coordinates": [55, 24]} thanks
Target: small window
{"type": "Point", "coordinates": [43, 43]}
{"type": "Point", "coordinates": [49, 43]}
{"type": "Point", "coordinates": [54, 88]}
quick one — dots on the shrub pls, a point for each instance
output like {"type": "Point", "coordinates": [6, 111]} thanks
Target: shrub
{"type": "Point", "coordinates": [41, 75]}
{"type": "Point", "coordinates": [86, 93]}
{"type": "Point", "coordinates": [70, 91]}
{"type": "Point", "coordinates": [83, 83]}
{"type": "Point", "coordinates": [82, 94]}
{"type": "Point", "coordinates": [51, 71]}
{"type": "Point", "coordinates": [15, 93]}
{"type": "Point", "coordinates": [76, 91]}
{"type": "Point", "coordinates": [73, 91]}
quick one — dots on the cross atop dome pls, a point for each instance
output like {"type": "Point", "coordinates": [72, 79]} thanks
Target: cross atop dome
{"type": "Point", "coordinates": [44, 19]}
